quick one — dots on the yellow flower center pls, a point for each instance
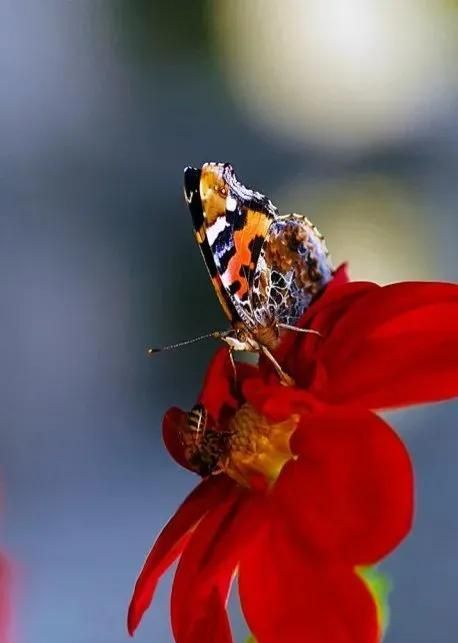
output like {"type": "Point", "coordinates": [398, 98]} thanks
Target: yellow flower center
{"type": "Point", "coordinates": [258, 447]}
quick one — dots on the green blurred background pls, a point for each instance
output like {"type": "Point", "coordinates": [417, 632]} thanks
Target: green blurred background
{"type": "Point", "coordinates": [345, 110]}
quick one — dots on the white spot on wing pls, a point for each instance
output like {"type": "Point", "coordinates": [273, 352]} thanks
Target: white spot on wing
{"type": "Point", "coordinates": [213, 231]}
{"type": "Point", "coordinates": [231, 203]}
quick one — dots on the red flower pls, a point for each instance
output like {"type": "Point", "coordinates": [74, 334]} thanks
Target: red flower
{"type": "Point", "coordinates": [5, 603]}
{"type": "Point", "coordinates": [315, 485]}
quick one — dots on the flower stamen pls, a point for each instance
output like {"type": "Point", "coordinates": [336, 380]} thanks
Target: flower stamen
{"type": "Point", "coordinates": [258, 447]}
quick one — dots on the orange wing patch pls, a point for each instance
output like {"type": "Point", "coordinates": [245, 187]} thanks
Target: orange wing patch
{"type": "Point", "coordinates": [242, 264]}
{"type": "Point", "coordinates": [213, 192]}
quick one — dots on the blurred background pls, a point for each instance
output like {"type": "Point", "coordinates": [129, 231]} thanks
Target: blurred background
{"type": "Point", "coordinates": [345, 110]}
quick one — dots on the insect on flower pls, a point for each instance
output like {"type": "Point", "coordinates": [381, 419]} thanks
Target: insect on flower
{"type": "Point", "coordinates": [266, 268]}
{"type": "Point", "coordinates": [204, 448]}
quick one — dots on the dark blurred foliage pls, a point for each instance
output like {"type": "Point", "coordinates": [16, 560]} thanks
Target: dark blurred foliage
{"type": "Point", "coordinates": [171, 31]}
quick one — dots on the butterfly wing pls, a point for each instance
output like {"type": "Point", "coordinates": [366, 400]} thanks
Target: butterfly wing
{"type": "Point", "coordinates": [293, 267]}
{"type": "Point", "coordinates": [192, 196]}
{"type": "Point", "coordinates": [230, 224]}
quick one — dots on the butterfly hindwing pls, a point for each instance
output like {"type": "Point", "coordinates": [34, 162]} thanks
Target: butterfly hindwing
{"type": "Point", "coordinates": [292, 268]}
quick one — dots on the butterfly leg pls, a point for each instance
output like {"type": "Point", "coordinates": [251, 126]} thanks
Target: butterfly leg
{"type": "Point", "coordinates": [285, 379]}
{"type": "Point", "coordinates": [231, 359]}
{"type": "Point", "coordinates": [311, 331]}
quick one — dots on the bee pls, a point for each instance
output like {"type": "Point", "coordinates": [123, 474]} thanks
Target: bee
{"type": "Point", "coordinates": [205, 449]}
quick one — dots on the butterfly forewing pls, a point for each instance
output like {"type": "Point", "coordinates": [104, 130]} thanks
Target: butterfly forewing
{"type": "Point", "coordinates": [231, 223]}
{"type": "Point", "coordinates": [192, 195]}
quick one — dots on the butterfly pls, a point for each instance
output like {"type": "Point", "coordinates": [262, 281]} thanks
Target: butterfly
{"type": "Point", "coordinates": [266, 268]}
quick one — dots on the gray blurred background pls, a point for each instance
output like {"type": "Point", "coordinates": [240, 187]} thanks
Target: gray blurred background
{"type": "Point", "coordinates": [344, 110]}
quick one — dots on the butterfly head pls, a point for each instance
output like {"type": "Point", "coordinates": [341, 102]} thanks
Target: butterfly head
{"type": "Point", "coordinates": [241, 339]}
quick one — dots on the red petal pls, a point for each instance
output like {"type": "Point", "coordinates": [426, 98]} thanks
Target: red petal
{"type": "Point", "coordinates": [173, 420]}
{"type": "Point", "coordinates": [406, 370]}
{"type": "Point", "coordinates": [218, 389]}
{"type": "Point", "coordinates": [275, 401]}
{"type": "Point", "coordinates": [396, 346]}
{"type": "Point", "coordinates": [288, 595]}
{"type": "Point", "coordinates": [6, 577]}
{"type": "Point", "coordinates": [340, 276]}
{"type": "Point", "coordinates": [171, 542]}
{"type": "Point", "coordinates": [297, 351]}
{"type": "Point", "coordinates": [240, 527]}
{"type": "Point", "coordinates": [384, 304]}
{"type": "Point", "coordinates": [210, 623]}
{"type": "Point", "coordinates": [197, 585]}
{"type": "Point", "coordinates": [356, 482]}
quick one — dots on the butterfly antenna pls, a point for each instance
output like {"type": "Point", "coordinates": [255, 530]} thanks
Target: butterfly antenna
{"type": "Point", "coordinates": [215, 334]}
